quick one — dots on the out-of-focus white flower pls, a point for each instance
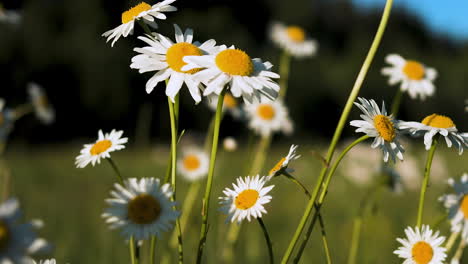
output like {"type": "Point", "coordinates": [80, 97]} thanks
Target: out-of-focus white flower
{"type": "Point", "coordinates": [42, 108]}
{"type": "Point", "coordinates": [230, 144]}
{"type": "Point", "coordinates": [267, 117]}
{"type": "Point", "coordinates": [9, 16]}
{"type": "Point", "coordinates": [293, 39]}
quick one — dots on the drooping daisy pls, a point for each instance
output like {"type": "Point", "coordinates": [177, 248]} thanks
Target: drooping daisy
{"type": "Point", "coordinates": [230, 104]}
{"type": "Point", "coordinates": [42, 108]}
{"type": "Point", "coordinates": [415, 77]}
{"type": "Point", "coordinates": [165, 57]}
{"type": "Point", "coordinates": [382, 127]}
{"type": "Point", "coordinates": [266, 117]}
{"type": "Point", "coordinates": [230, 144]}
{"type": "Point", "coordinates": [293, 39]}
{"type": "Point", "coordinates": [437, 124]}
{"type": "Point", "coordinates": [105, 144]}
{"type": "Point", "coordinates": [457, 205]}
{"type": "Point", "coordinates": [141, 208]}
{"type": "Point", "coordinates": [283, 163]}
{"type": "Point", "coordinates": [143, 11]}
{"type": "Point", "coordinates": [47, 261]}
{"type": "Point", "coordinates": [194, 164]}
{"type": "Point", "coordinates": [421, 246]}
{"type": "Point", "coordinates": [246, 199]}
{"type": "Point", "coordinates": [17, 240]}
{"type": "Point", "coordinates": [9, 16]}
{"type": "Point", "coordinates": [231, 67]}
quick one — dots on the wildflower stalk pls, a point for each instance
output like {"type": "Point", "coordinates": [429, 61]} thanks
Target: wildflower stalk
{"type": "Point", "coordinates": [209, 182]}
{"type": "Point", "coordinates": [285, 64]}
{"type": "Point", "coordinates": [344, 116]}
{"type": "Point", "coordinates": [152, 249]}
{"type": "Point", "coordinates": [427, 172]}
{"type": "Point", "coordinates": [451, 241]}
{"type": "Point", "coordinates": [116, 170]}
{"type": "Point", "coordinates": [396, 103]}
{"type": "Point", "coordinates": [459, 253]}
{"type": "Point", "coordinates": [174, 133]}
{"type": "Point", "coordinates": [267, 238]}
{"type": "Point", "coordinates": [131, 246]}
{"type": "Point", "coordinates": [321, 200]}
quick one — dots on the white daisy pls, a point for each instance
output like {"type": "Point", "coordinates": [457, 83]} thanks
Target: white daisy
{"type": "Point", "coordinates": [105, 144]}
{"type": "Point", "coordinates": [231, 67]}
{"type": "Point", "coordinates": [246, 199]}
{"type": "Point", "coordinates": [230, 104]}
{"type": "Point", "coordinates": [382, 127]}
{"type": "Point", "coordinates": [457, 206]}
{"type": "Point", "coordinates": [415, 77]}
{"type": "Point", "coordinates": [143, 11]}
{"type": "Point", "coordinates": [47, 261]}
{"type": "Point", "coordinates": [141, 208]}
{"type": "Point", "coordinates": [437, 124]}
{"type": "Point", "coordinates": [18, 240]}
{"type": "Point", "coordinates": [266, 117]}
{"type": "Point", "coordinates": [422, 246]}
{"type": "Point", "coordinates": [230, 144]}
{"type": "Point", "coordinates": [283, 163]}
{"type": "Point", "coordinates": [42, 108]}
{"type": "Point", "coordinates": [9, 16]}
{"type": "Point", "coordinates": [165, 57]}
{"type": "Point", "coordinates": [194, 164]}
{"type": "Point", "coordinates": [293, 39]}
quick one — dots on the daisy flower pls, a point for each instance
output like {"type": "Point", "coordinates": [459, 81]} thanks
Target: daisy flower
{"type": "Point", "coordinates": [437, 124]}
{"type": "Point", "coordinates": [230, 144]}
{"type": "Point", "coordinates": [230, 104]}
{"type": "Point", "coordinates": [105, 144]}
{"type": "Point", "coordinates": [9, 16]}
{"type": "Point", "coordinates": [421, 246]}
{"type": "Point", "coordinates": [17, 240]}
{"type": "Point", "coordinates": [141, 208]}
{"type": "Point", "coordinates": [382, 127]}
{"type": "Point", "coordinates": [194, 164]}
{"type": "Point", "coordinates": [231, 67]}
{"type": "Point", "coordinates": [415, 77]}
{"type": "Point", "coordinates": [282, 165]}
{"type": "Point", "coordinates": [165, 57]}
{"type": "Point", "coordinates": [457, 205]}
{"type": "Point", "coordinates": [42, 108]}
{"type": "Point", "coordinates": [143, 11]}
{"type": "Point", "coordinates": [293, 39]}
{"type": "Point", "coordinates": [47, 261]}
{"type": "Point", "coordinates": [266, 117]}
{"type": "Point", "coordinates": [246, 199]}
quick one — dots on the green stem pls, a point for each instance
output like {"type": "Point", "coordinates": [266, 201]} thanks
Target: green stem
{"type": "Point", "coordinates": [321, 200]}
{"type": "Point", "coordinates": [174, 133]}
{"type": "Point", "coordinates": [152, 249]}
{"type": "Point", "coordinates": [144, 26]}
{"type": "Point", "coordinates": [209, 182]}
{"type": "Point", "coordinates": [427, 172]}
{"type": "Point", "coordinates": [451, 241]}
{"type": "Point", "coordinates": [355, 239]}
{"type": "Point", "coordinates": [344, 116]}
{"type": "Point", "coordinates": [396, 103]}
{"type": "Point", "coordinates": [209, 135]}
{"type": "Point", "coordinates": [285, 64]}
{"type": "Point", "coordinates": [267, 238]}
{"type": "Point", "coordinates": [459, 253]}
{"type": "Point", "coordinates": [131, 246]}
{"type": "Point", "coordinates": [116, 170]}
{"type": "Point", "coordinates": [298, 183]}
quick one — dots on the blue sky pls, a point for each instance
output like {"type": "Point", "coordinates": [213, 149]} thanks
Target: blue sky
{"type": "Point", "coordinates": [445, 16]}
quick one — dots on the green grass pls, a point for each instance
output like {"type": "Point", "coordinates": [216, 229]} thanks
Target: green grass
{"type": "Point", "coordinates": [71, 200]}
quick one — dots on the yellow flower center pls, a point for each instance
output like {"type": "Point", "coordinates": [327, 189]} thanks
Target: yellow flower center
{"type": "Point", "coordinates": [296, 33]}
{"type": "Point", "coordinates": [438, 121]}
{"type": "Point", "coordinates": [100, 146]}
{"type": "Point", "coordinates": [176, 53]}
{"type": "Point", "coordinates": [385, 127]}
{"type": "Point", "coordinates": [414, 70]}
{"type": "Point", "coordinates": [246, 199]}
{"type": "Point", "coordinates": [422, 252]}
{"type": "Point", "coordinates": [230, 101]}
{"type": "Point", "coordinates": [266, 111]}
{"type": "Point", "coordinates": [4, 235]}
{"type": "Point", "coordinates": [191, 162]}
{"type": "Point", "coordinates": [277, 167]}
{"type": "Point", "coordinates": [144, 209]}
{"type": "Point", "coordinates": [464, 206]}
{"type": "Point", "coordinates": [234, 62]}
{"type": "Point", "coordinates": [130, 14]}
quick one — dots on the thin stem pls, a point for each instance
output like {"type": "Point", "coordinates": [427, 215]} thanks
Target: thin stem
{"type": "Point", "coordinates": [174, 133]}
{"type": "Point", "coordinates": [344, 116]}
{"type": "Point", "coordinates": [131, 246]}
{"type": "Point", "coordinates": [152, 249]}
{"type": "Point", "coordinates": [209, 182]}
{"type": "Point", "coordinates": [267, 238]}
{"type": "Point", "coordinates": [259, 159]}
{"type": "Point", "coordinates": [323, 195]}
{"type": "Point", "coordinates": [459, 253]}
{"type": "Point", "coordinates": [355, 240]}
{"type": "Point", "coordinates": [396, 103]}
{"type": "Point", "coordinates": [116, 169]}
{"type": "Point", "coordinates": [298, 183]}
{"type": "Point", "coordinates": [427, 172]}
{"type": "Point", "coordinates": [209, 135]}
{"type": "Point", "coordinates": [144, 26]}
{"type": "Point", "coordinates": [23, 110]}
{"type": "Point", "coordinates": [285, 64]}
{"type": "Point", "coordinates": [451, 241]}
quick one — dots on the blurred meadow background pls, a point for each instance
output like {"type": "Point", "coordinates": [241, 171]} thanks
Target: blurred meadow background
{"type": "Point", "coordinates": [58, 45]}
